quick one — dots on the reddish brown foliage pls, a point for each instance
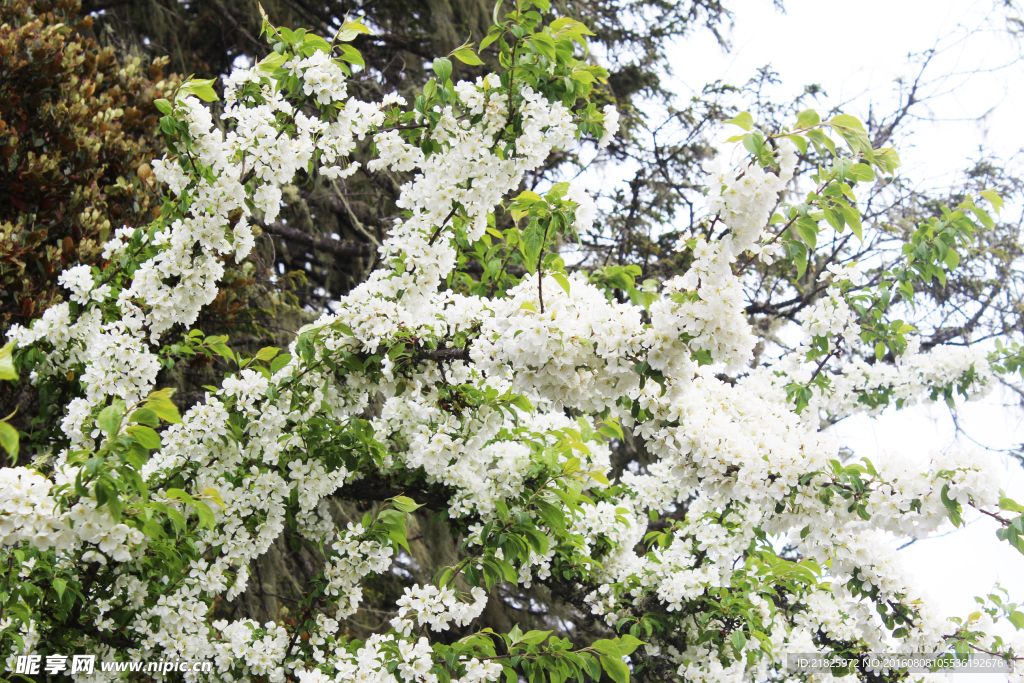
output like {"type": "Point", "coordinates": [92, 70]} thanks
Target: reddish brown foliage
{"type": "Point", "coordinates": [77, 130]}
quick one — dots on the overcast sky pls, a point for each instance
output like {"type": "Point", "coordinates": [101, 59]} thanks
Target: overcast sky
{"type": "Point", "coordinates": [856, 50]}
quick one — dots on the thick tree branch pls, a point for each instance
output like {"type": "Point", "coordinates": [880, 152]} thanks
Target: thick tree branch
{"type": "Point", "coordinates": [337, 247]}
{"type": "Point", "coordinates": [441, 355]}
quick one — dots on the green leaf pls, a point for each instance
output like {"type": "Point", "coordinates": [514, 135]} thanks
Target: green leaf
{"type": "Point", "coordinates": [397, 536]}
{"type": "Point", "coordinates": [543, 44]}
{"type": "Point", "coordinates": [754, 143]}
{"type": "Point", "coordinates": [59, 585]}
{"type": "Point", "coordinates": [523, 404]}
{"type": "Point", "coordinates": [611, 429]}
{"type": "Point", "coordinates": [852, 217]}
{"type": "Point", "coordinates": [405, 504]}
{"type": "Point", "coordinates": [443, 68]}
{"type": "Point", "coordinates": [538, 540]}
{"type": "Point", "coordinates": [491, 36]}
{"type": "Point", "coordinates": [552, 516]}
{"type": "Point", "coordinates": [951, 259]}
{"type": "Point", "coordinates": [163, 106]}
{"type": "Point", "coordinates": [847, 121]}
{"type": "Point", "coordinates": [994, 199]}
{"type": "Point", "coordinates": [798, 252]}
{"type": "Point", "coordinates": [351, 55]}
{"type": "Point", "coordinates": [201, 88]}
{"type": "Point", "coordinates": [983, 216]}
{"type": "Point", "coordinates": [562, 280]}
{"type": "Point", "coordinates": [160, 403]}
{"type": "Point", "coordinates": [267, 353]}
{"type": "Point", "coordinates": [217, 345]}
{"type": "Point", "coordinates": [317, 42]}
{"type": "Point", "coordinates": [738, 641]}
{"type": "Point", "coordinates": [800, 141]}
{"type": "Point", "coordinates": [835, 219]}
{"type": "Point", "coordinates": [535, 637]}
{"type": "Point", "coordinates": [609, 648]}
{"type": "Point", "coordinates": [807, 118]}
{"type": "Point", "coordinates": [1010, 505]}
{"type": "Point", "coordinates": [808, 231]}
{"type": "Point", "coordinates": [145, 436]}
{"type": "Point", "coordinates": [271, 62]}
{"type": "Point", "coordinates": [467, 56]}
{"type": "Point", "coordinates": [952, 507]}
{"type": "Point", "coordinates": [178, 494]}
{"type": "Point", "coordinates": [887, 160]}
{"type": "Point", "coordinates": [821, 140]}
{"type": "Point", "coordinates": [9, 439]}
{"type": "Point", "coordinates": [852, 131]}
{"type": "Point", "coordinates": [206, 518]}
{"type": "Point", "coordinates": [507, 570]}
{"type": "Point", "coordinates": [214, 495]}
{"type": "Point", "coordinates": [616, 669]}
{"type": "Point", "coordinates": [7, 369]}
{"type": "Point", "coordinates": [177, 519]}
{"type": "Point", "coordinates": [354, 26]}
{"type": "Point", "coordinates": [109, 494]}
{"type": "Point", "coordinates": [571, 26]}
{"type": "Point", "coordinates": [628, 644]}
{"type": "Point", "coordinates": [144, 416]}
{"type": "Point", "coordinates": [110, 418]}
{"type": "Point", "coordinates": [1017, 619]}
{"type": "Point", "coordinates": [862, 172]}
{"type": "Point", "coordinates": [744, 120]}
{"type": "Point", "coordinates": [280, 362]}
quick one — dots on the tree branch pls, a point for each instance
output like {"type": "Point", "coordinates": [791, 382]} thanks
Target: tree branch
{"type": "Point", "coordinates": [337, 247]}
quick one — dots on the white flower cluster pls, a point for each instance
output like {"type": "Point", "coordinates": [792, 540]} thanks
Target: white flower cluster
{"type": "Point", "coordinates": [745, 200]}
{"type": "Point", "coordinates": [708, 308]}
{"type": "Point", "coordinates": [259, 656]}
{"type": "Point", "coordinates": [321, 75]}
{"type": "Point", "coordinates": [372, 661]}
{"type": "Point", "coordinates": [485, 98]}
{"type": "Point", "coordinates": [30, 515]}
{"type": "Point", "coordinates": [119, 364]}
{"type": "Point", "coordinates": [586, 209]}
{"type": "Point", "coordinates": [470, 173]}
{"type": "Point", "coordinates": [436, 607]}
{"type": "Point", "coordinates": [27, 508]}
{"type": "Point", "coordinates": [831, 316]}
{"type": "Point", "coordinates": [860, 387]}
{"type": "Point", "coordinates": [351, 560]}
{"type": "Point", "coordinates": [611, 125]}
{"type": "Point", "coordinates": [707, 303]}
{"type": "Point", "coordinates": [79, 281]}
{"type": "Point", "coordinates": [577, 351]}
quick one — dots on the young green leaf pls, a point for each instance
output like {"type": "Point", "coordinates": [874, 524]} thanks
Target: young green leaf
{"type": "Point", "coordinates": [7, 369]}
{"type": "Point", "coordinates": [467, 56]}
{"type": "Point", "coordinates": [744, 120]}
